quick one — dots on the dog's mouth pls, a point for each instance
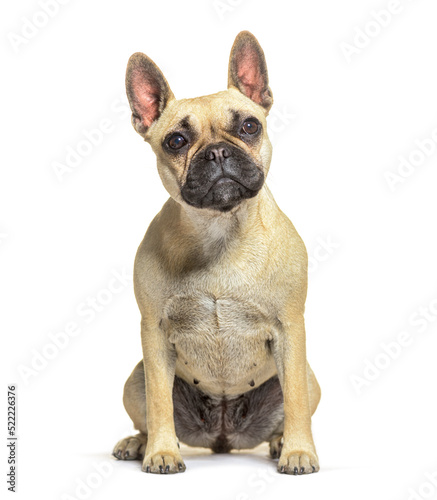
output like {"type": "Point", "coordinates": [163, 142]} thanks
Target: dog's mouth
{"type": "Point", "coordinates": [225, 194]}
{"type": "Point", "coordinates": [222, 185]}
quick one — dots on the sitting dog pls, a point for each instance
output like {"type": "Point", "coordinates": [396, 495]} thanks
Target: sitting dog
{"type": "Point", "coordinates": [220, 279]}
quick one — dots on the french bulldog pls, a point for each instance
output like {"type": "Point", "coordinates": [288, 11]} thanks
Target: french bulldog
{"type": "Point", "coordinates": [220, 279]}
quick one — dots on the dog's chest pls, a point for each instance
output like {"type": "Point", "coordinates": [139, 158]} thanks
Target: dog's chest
{"type": "Point", "coordinates": [223, 344]}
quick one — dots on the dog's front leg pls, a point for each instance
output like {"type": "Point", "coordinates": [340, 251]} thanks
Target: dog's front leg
{"type": "Point", "coordinates": [298, 455]}
{"type": "Point", "coordinates": [162, 452]}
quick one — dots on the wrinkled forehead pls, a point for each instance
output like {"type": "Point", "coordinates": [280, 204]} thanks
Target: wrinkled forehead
{"type": "Point", "coordinates": [210, 114]}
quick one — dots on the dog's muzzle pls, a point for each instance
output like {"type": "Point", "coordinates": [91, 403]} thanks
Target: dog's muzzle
{"type": "Point", "coordinates": [220, 176]}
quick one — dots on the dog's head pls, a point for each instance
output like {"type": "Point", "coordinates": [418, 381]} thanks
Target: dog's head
{"type": "Point", "coordinates": [213, 152]}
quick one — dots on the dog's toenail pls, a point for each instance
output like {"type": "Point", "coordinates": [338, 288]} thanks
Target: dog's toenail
{"type": "Point", "coordinates": [314, 468]}
{"type": "Point", "coordinates": [126, 454]}
{"type": "Point", "coordinates": [161, 469]}
{"type": "Point", "coordinates": [167, 468]}
{"type": "Point", "coordinates": [302, 470]}
{"type": "Point", "coordinates": [148, 468]}
{"type": "Point", "coordinates": [295, 471]}
{"type": "Point", "coordinates": [282, 469]}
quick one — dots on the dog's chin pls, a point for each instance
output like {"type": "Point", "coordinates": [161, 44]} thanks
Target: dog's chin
{"type": "Point", "coordinates": [225, 195]}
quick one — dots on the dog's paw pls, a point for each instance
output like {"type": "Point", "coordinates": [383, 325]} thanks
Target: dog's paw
{"type": "Point", "coordinates": [131, 448]}
{"type": "Point", "coordinates": [276, 447]}
{"type": "Point", "coordinates": [163, 463]}
{"type": "Point", "coordinates": [298, 463]}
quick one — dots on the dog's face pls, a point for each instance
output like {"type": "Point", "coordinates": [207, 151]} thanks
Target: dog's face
{"type": "Point", "coordinates": [213, 152]}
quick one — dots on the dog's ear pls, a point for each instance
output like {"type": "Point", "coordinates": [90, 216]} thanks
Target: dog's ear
{"type": "Point", "coordinates": [147, 91]}
{"type": "Point", "coordinates": [248, 70]}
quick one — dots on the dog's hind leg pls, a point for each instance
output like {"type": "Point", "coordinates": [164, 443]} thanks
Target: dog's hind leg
{"type": "Point", "coordinates": [131, 447]}
{"type": "Point", "coordinates": [313, 390]}
{"type": "Point", "coordinates": [314, 393]}
{"type": "Point", "coordinates": [134, 400]}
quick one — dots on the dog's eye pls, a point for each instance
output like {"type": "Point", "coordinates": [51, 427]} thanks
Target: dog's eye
{"type": "Point", "coordinates": [250, 127]}
{"type": "Point", "coordinates": [176, 141]}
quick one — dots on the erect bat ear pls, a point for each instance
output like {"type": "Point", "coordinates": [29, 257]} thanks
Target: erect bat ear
{"type": "Point", "coordinates": [248, 70]}
{"type": "Point", "coordinates": [147, 91]}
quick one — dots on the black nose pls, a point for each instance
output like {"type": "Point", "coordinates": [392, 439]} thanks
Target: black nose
{"type": "Point", "coordinates": [217, 152]}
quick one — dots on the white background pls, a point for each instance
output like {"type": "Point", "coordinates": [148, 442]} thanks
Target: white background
{"type": "Point", "coordinates": [337, 126]}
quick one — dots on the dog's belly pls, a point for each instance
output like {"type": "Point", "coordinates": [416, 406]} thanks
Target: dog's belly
{"type": "Point", "coordinates": [222, 344]}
